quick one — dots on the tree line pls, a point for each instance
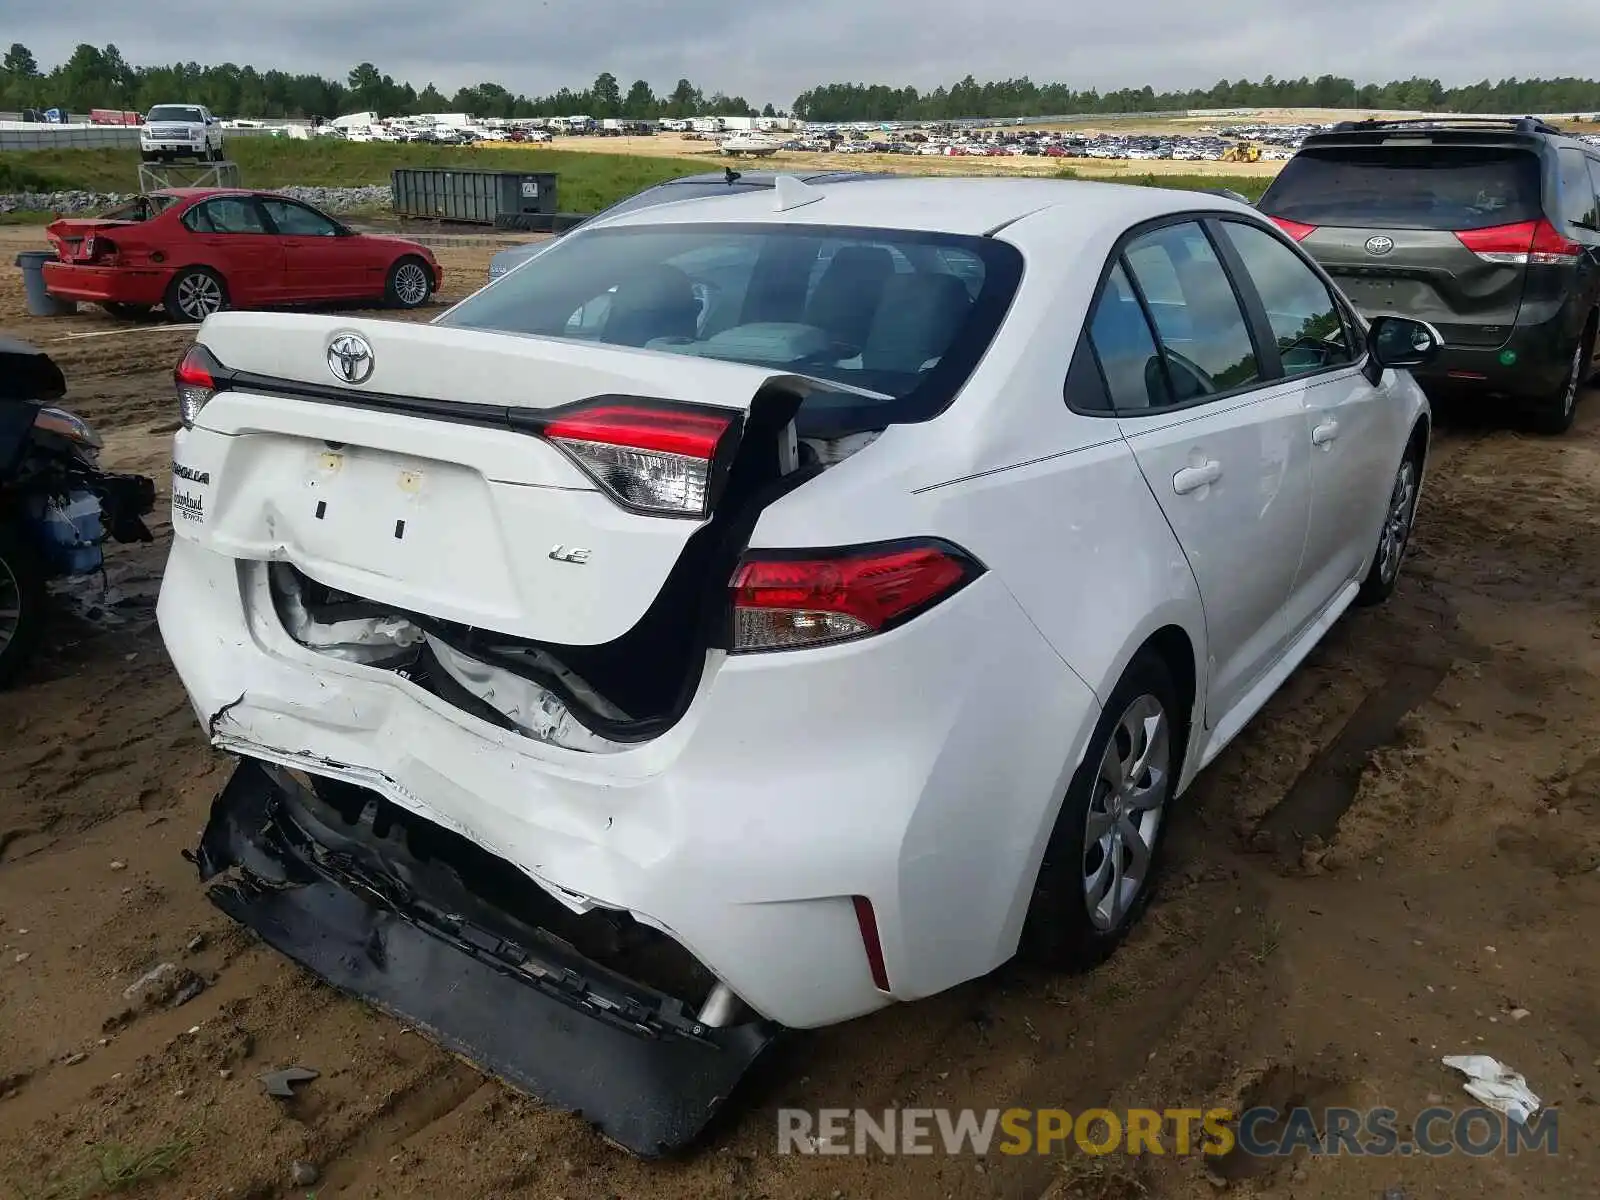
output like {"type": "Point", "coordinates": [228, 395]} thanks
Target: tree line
{"type": "Point", "coordinates": [99, 77]}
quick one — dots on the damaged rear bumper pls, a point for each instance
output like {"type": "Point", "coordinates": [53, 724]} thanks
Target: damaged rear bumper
{"type": "Point", "coordinates": [516, 1001]}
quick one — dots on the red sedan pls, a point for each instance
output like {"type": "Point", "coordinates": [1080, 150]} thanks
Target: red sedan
{"type": "Point", "coordinates": [195, 251]}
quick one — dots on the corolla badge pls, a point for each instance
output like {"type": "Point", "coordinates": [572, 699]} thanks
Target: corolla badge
{"type": "Point", "coordinates": [350, 358]}
{"type": "Point", "coordinates": [1379, 244]}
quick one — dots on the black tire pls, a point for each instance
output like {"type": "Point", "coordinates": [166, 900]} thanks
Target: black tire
{"type": "Point", "coordinates": [410, 283]}
{"type": "Point", "coordinates": [215, 155]}
{"type": "Point", "coordinates": [127, 312]}
{"type": "Point", "coordinates": [22, 599]}
{"type": "Point", "coordinates": [1553, 415]}
{"type": "Point", "coordinates": [1399, 518]}
{"type": "Point", "coordinates": [1059, 931]}
{"type": "Point", "coordinates": [187, 286]}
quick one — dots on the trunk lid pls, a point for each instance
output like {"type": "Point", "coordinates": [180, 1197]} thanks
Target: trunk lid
{"type": "Point", "coordinates": [73, 238]}
{"type": "Point", "coordinates": [1386, 219]}
{"type": "Point", "coordinates": [438, 485]}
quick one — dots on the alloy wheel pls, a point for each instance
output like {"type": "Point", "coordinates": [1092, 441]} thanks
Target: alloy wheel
{"type": "Point", "coordinates": [1125, 811]}
{"type": "Point", "coordinates": [10, 605]}
{"type": "Point", "coordinates": [199, 296]}
{"type": "Point", "coordinates": [1397, 522]}
{"type": "Point", "coordinates": [411, 284]}
{"type": "Point", "coordinates": [1569, 398]}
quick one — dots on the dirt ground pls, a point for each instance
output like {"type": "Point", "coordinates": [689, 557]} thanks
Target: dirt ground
{"type": "Point", "coordinates": [1451, 909]}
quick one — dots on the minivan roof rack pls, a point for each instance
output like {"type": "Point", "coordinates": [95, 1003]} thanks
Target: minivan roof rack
{"type": "Point", "coordinates": [1515, 124]}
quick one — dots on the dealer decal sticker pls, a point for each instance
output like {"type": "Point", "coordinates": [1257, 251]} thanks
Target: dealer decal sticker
{"type": "Point", "coordinates": [188, 501]}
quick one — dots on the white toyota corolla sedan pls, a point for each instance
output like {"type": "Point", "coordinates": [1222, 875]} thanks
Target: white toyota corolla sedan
{"type": "Point", "coordinates": [756, 610]}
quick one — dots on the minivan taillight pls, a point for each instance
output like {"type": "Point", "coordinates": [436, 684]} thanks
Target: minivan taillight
{"type": "Point", "coordinates": [784, 600]}
{"type": "Point", "coordinates": [1537, 242]}
{"type": "Point", "coordinates": [655, 457]}
{"type": "Point", "coordinates": [1298, 230]}
{"type": "Point", "coordinates": [198, 377]}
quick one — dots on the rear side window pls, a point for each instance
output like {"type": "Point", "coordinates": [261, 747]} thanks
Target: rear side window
{"type": "Point", "coordinates": [227, 214]}
{"type": "Point", "coordinates": [1594, 178]}
{"type": "Point", "coordinates": [1204, 337]}
{"type": "Point", "coordinates": [1302, 311]}
{"type": "Point", "coordinates": [1408, 187]}
{"type": "Point", "coordinates": [1125, 348]}
{"type": "Point", "coordinates": [1577, 189]}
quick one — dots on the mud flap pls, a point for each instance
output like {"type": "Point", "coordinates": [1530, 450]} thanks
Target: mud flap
{"type": "Point", "coordinates": [540, 1017]}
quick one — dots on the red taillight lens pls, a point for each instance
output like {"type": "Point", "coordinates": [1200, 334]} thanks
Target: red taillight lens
{"type": "Point", "coordinates": [789, 600]}
{"type": "Point", "coordinates": [1295, 229]}
{"type": "Point", "coordinates": [658, 459]}
{"type": "Point", "coordinates": [1537, 242]}
{"type": "Point", "coordinates": [198, 377]}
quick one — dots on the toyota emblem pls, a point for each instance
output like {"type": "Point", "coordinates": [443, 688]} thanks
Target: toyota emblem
{"type": "Point", "coordinates": [350, 358]}
{"type": "Point", "coordinates": [1379, 244]}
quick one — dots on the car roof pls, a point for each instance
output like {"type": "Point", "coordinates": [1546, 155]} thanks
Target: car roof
{"type": "Point", "coordinates": [769, 178]}
{"type": "Point", "coordinates": [962, 204]}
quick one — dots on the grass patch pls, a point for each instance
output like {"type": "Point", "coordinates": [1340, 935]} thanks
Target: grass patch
{"type": "Point", "coordinates": [117, 1168]}
{"type": "Point", "coordinates": [24, 217]}
{"type": "Point", "coordinates": [19, 176]}
{"type": "Point", "coordinates": [588, 181]}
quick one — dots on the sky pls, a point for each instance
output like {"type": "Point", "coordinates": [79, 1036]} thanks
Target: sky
{"type": "Point", "coordinates": [771, 50]}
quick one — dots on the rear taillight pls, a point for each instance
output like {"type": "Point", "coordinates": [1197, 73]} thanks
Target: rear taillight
{"type": "Point", "coordinates": [198, 378]}
{"type": "Point", "coordinates": [1537, 242]}
{"type": "Point", "coordinates": [784, 600]}
{"type": "Point", "coordinates": [657, 458]}
{"type": "Point", "coordinates": [1295, 229]}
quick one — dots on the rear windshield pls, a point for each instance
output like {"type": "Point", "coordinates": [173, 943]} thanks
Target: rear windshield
{"type": "Point", "coordinates": [174, 112]}
{"type": "Point", "coordinates": [902, 316]}
{"type": "Point", "coordinates": [1408, 187]}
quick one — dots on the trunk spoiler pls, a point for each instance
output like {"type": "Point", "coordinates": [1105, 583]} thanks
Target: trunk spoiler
{"type": "Point", "coordinates": [529, 1011]}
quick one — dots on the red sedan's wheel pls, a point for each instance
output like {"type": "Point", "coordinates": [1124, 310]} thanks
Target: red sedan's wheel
{"type": "Point", "coordinates": [410, 284]}
{"type": "Point", "coordinates": [194, 294]}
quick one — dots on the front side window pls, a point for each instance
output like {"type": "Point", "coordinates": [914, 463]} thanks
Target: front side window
{"type": "Point", "coordinates": [226, 214]}
{"type": "Point", "coordinates": [296, 220]}
{"type": "Point", "coordinates": [1302, 311]}
{"type": "Point", "coordinates": [903, 316]}
{"type": "Point", "coordinates": [1204, 337]}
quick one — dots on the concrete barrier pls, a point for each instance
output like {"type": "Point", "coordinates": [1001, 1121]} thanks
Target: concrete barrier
{"type": "Point", "coordinates": [21, 136]}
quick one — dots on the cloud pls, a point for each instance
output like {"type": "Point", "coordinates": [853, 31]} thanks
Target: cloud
{"type": "Point", "coordinates": [766, 51]}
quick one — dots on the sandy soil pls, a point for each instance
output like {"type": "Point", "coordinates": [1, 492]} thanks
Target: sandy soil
{"type": "Point", "coordinates": [1460, 886]}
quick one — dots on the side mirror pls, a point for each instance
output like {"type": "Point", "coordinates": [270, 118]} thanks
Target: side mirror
{"type": "Point", "coordinates": [1402, 342]}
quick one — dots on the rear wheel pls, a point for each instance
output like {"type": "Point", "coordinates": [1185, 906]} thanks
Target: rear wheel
{"type": "Point", "coordinates": [1100, 864]}
{"type": "Point", "coordinates": [1555, 414]}
{"type": "Point", "coordinates": [410, 284]}
{"type": "Point", "coordinates": [195, 293]}
{"type": "Point", "coordinates": [22, 597]}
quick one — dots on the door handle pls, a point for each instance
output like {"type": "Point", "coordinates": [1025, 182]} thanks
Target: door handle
{"type": "Point", "coordinates": [1325, 432]}
{"type": "Point", "coordinates": [1192, 479]}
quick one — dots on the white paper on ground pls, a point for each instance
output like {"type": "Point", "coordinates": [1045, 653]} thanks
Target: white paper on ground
{"type": "Point", "coordinates": [1496, 1085]}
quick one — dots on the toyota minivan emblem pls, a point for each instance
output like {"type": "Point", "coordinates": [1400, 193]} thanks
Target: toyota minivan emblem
{"type": "Point", "coordinates": [1379, 244]}
{"type": "Point", "coordinates": [350, 358]}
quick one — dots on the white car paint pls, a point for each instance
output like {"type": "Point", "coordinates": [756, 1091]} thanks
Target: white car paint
{"type": "Point", "coordinates": [923, 767]}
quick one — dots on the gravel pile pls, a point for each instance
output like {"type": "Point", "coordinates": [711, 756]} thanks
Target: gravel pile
{"type": "Point", "coordinates": [329, 199]}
